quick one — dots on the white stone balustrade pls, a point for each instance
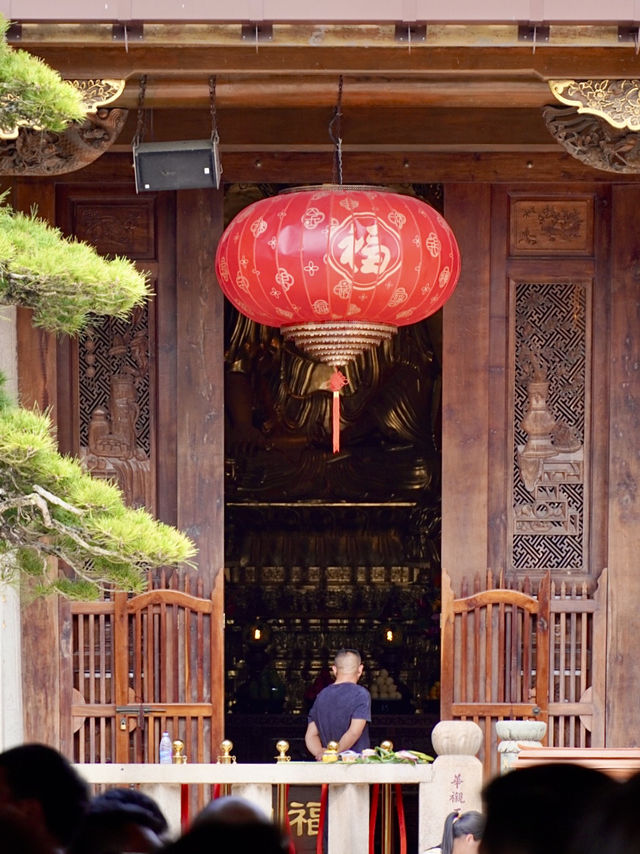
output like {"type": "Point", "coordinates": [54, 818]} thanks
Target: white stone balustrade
{"type": "Point", "coordinates": [450, 782]}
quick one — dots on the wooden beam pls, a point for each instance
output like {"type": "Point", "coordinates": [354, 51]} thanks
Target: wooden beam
{"type": "Point", "coordinates": [241, 59]}
{"type": "Point", "coordinates": [498, 90]}
{"type": "Point", "coordinates": [388, 128]}
{"type": "Point", "coordinates": [46, 686]}
{"type": "Point", "coordinates": [301, 167]}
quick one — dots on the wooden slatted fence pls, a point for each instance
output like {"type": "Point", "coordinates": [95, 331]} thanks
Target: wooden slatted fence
{"type": "Point", "coordinates": [578, 633]}
{"type": "Point", "coordinates": [516, 652]}
{"type": "Point", "coordinates": [143, 665]}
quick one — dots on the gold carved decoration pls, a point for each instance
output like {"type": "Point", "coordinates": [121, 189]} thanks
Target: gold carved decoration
{"type": "Point", "coordinates": [98, 93]}
{"type": "Point", "coordinates": [95, 93]}
{"type": "Point", "coordinates": [593, 141]}
{"type": "Point", "coordinates": [615, 101]}
{"type": "Point", "coordinates": [35, 152]}
{"type": "Point", "coordinates": [9, 108]}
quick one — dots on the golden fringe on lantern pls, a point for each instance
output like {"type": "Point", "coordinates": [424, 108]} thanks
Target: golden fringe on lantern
{"type": "Point", "coordinates": [339, 342]}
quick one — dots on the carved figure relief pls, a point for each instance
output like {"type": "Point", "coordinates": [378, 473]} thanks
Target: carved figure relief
{"type": "Point", "coordinates": [114, 361]}
{"type": "Point", "coordinates": [550, 403]}
{"type": "Point", "coordinates": [122, 222]}
{"type": "Point", "coordinates": [553, 455]}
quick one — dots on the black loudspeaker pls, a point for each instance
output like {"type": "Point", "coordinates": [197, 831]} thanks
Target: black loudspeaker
{"type": "Point", "coordinates": [184, 165]}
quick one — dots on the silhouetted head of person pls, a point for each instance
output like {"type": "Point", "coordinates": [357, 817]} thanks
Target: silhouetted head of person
{"type": "Point", "coordinates": [612, 827]}
{"type": "Point", "coordinates": [144, 808]}
{"type": "Point", "coordinates": [17, 835]}
{"type": "Point", "coordinates": [231, 810]}
{"type": "Point", "coordinates": [116, 830]}
{"type": "Point", "coordinates": [539, 810]}
{"type": "Point", "coordinates": [40, 784]}
{"type": "Point", "coordinates": [232, 838]}
{"type": "Point", "coordinates": [462, 832]}
{"type": "Point", "coordinates": [231, 824]}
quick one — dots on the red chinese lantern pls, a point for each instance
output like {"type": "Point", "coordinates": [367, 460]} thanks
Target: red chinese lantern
{"type": "Point", "coordinates": [338, 268]}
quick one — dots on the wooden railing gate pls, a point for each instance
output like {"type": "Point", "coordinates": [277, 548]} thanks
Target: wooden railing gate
{"type": "Point", "coordinates": [143, 665]}
{"type": "Point", "coordinates": [507, 653]}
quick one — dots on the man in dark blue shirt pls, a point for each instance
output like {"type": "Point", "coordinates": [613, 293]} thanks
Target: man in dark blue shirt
{"type": "Point", "coordinates": [341, 711]}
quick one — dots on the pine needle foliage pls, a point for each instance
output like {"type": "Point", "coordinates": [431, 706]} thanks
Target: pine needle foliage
{"type": "Point", "coordinates": [63, 280]}
{"type": "Point", "coordinates": [32, 94]}
{"type": "Point", "coordinates": [50, 507]}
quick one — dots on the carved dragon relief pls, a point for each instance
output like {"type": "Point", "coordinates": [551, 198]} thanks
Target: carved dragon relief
{"type": "Point", "coordinates": [38, 152]}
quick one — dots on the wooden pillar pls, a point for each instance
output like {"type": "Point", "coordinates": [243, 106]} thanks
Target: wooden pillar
{"type": "Point", "coordinates": [465, 404]}
{"type": "Point", "coordinates": [199, 402]}
{"type": "Point", "coordinates": [11, 712]}
{"type": "Point", "coordinates": [623, 648]}
{"type": "Point", "coordinates": [42, 653]}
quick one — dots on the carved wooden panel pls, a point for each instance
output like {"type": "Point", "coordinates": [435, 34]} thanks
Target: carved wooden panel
{"type": "Point", "coordinates": [116, 226]}
{"type": "Point", "coordinates": [114, 410]}
{"type": "Point", "coordinates": [551, 226]}
{"type": "Point", "coordinates": [551, 328]}
{"type": "Point", "coordinates": [115, 362]}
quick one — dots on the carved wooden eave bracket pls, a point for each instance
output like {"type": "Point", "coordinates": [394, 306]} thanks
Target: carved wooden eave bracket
{"type": "Point", "coordinates": [593, 141]}
{"type": "Point", "coordinates": [615, 101]}
{"type": "Point", "coordinates": [600, 124]}
{"type": "Point", "coordinates": [39, 152]}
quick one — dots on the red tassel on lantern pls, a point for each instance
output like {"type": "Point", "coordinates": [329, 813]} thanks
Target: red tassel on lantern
{"type": "Point", "coordinates": [336, 382]}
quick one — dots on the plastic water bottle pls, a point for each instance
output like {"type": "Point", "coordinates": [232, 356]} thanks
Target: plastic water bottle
{"type": "Point", "coordinates": [165, 749]}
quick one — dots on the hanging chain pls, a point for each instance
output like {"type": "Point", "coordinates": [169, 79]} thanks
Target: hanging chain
{"type": "Point", "coordinates": [335, 133]}
{"type": "Point", "coordinates": [137, 139]}
{"type": "Point", "coordinates": [215, 138]}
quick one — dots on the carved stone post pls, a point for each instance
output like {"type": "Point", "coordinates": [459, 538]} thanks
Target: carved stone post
{"type": "Point", "coordinates": [514, 735]}
{"type": "Point", "coordinates": [457, 778]}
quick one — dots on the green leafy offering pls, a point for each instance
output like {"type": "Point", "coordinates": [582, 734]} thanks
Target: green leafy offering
{"type": "Point", "coordinates": [381, 754]}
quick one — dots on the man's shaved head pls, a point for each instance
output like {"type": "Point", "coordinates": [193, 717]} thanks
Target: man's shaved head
{"type": "Point", "coordinates": [347, 661]}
